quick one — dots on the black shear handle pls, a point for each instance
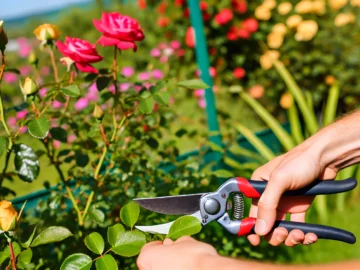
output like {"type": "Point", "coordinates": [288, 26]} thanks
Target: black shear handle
{"type": "Point", "coordinates": [254, 189]}
{"type": "Point", "coordinates": [322, 232]}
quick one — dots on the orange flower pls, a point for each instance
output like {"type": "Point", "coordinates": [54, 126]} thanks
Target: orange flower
{"type": "Point", "coordinates": [306, 30]}
{"type": "Point", "coordinates": [293, 21]}
{"type": "Point", "coordinates": [266, 60]}
{"type": "Point", "coordinates": [329, 80]}
{"type": "Point", "coordinates": [279, 28]}
{"type": "Point", "coordinates": [344, 18]}
{"type": "Point", "coordinates": [304, 6]}
{"type": "Point", "coordinates": [47, 32]}
{"type": "Point", "coordinates": [256, 91]}
{"type": "Point", "coordinates": [8, 215]}
{"type": "Point", "coordinates": [275, 40]}
{"type": "Point", "coordinates": [319, 7]}
{"type": "Point", "coordinates": [270, 4]}
{"type": "Point", "coordinates": [337, 4]}
{"type": "Point", "coordinates": [355, 3]}
{"type": "Point", "coordinates": [284, 8]}
{"type": "Point", "coordinates": [262, 13]}
{"type": "Point", "coordinates": [286, 100]}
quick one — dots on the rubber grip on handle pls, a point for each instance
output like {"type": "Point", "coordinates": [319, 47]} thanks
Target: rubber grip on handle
{"type": "Point", "coordinates": [254, 189]}
{"type": "Point", "coordinates": [322, 232]}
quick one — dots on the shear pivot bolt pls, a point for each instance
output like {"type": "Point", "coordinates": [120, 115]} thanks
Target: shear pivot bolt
{"type": "Point", "coordinates": [212, 206]}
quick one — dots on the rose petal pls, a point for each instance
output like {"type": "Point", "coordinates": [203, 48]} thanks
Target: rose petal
{"type": "Point", "coordinates": [125, 45]}
{"type": "Point", "coordinates": [86, 68]}
{"type": "Point", "coordinates": [107, 41]}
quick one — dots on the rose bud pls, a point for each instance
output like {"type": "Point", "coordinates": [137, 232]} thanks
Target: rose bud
{"type": "Point", "coordinates": [33, 60]}
{"type": "Point", "coordinates": [98, 112]}
{"type": "Point", "coordinates": [47, 32]}
{"type": "Point", "coordinates": [3, 38]}
{"type": "Point", "coordinates": [8, 216]}
{"type": "Point", "coordinates": [28, 88]}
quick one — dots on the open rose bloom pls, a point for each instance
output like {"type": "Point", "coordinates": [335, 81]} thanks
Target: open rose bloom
{"type": "Point", "coordinates": [118, 30]}
{"type": "Point", "coordinates": [82, 52]}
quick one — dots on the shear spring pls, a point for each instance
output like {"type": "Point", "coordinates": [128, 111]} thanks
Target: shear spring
{"type": "Point", "coordinates": [238, 206]}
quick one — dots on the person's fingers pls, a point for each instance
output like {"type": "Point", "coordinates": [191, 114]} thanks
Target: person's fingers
{"type": "Point", "coordinates": [328, 174]}
{"type": "Point", "coordinates": [185, 239]}
{"type": "Point", "coordinates": [298, 217]}
{"type": "Point", "coordinates": [310, 238]}
{"type": "Point", "coordinates": [150, 245]}
{"type": "Point", "coordinates": [277, 237]}
{"type": "Point", "coordinates": [167, 242]}
{"type": "Point", "coordinates": [295, 237]}
{"type": "Point", "coordinates": [268, 203]}
{"type": "Point", "coordinates": [264, 172]}
{"type": "Point", "coordinates": [254, 239]}
{"type": "Point", "coordinates": [144, 259]}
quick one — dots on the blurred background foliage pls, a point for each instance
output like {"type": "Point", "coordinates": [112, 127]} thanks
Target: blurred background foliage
{"type": "Point", "coordinates": [324, 51]}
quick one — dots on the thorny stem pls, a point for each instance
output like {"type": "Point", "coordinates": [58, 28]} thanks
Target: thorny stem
{"type": "Point", "coordinates": [54, 65]}
{"type": "Point", "coordinates": [33, 106]}
{"type": "Point", "coordinates": [116, 128]}
{"type": "Point", "coordinates": [115, 75]}
{"type": "Point", "coordinates": [68, 98]}
{"type": "Point", "coordinates": [101, 161]}
{"type": "Point", "coordinates": [103, 135]}
{"type": "Point", "coordinates": [2, 115]}
{"type": "Point", "coordinates": [62, 177]}
{"type": "Point", "coordinates": [12, 254]}
{"type": "Point", "coordinates": [2, 176]}
{"type": "Point", "coordinates": [88, 203]}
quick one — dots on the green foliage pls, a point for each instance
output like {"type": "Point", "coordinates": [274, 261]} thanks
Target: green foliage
{"type": "Point", "coordinates": [193, 84]}
{"type": "Point", "coordinates": [39, 127]}
{"type": "Point", "coordinates": [107, 262]}
{"type": "Point", "coordinates": [186, 225]}
{"type": "Point", "coordinates": [129, 243]}
{"type": "Point", "coordinates": [26, 162]}
{"type": "Point", "coordinates": [77, 261]}
{"type": "Point", "coordinates": [51, 235]}
{"type": "Point", "coordinates": [3, 145]}
{"type": "Point", "coordinates": [71, 90]}
{"type": "Point", "coordinates": [129, 214]}
{"type": "Point", "coordinates": [95, 243]}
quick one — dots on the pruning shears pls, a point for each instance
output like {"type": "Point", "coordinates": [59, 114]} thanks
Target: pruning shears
{"type": "Point", "coordinates": [226, 206]}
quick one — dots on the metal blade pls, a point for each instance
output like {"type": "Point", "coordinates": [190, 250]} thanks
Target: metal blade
{"type": "Point", "coordinates": [163, 228]}
{"type": "Point", "coordinates": [172, 205]}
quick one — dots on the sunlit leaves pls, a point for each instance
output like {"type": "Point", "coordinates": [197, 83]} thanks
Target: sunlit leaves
{"type": "Point", "coordinates": [51, 235]}
{"type": "Point", "coordinates": [129, 243]}
{"type": "Point", "coordinates": [129, 214]}
{"type": "Point", "coordinates": [39, 127]}
{"type": "Point", "coordinates": [26, 162]}
{"type": "Point", "coordinates": [77, 261]}
{"type": "Point", "coordinates": [3, 145]}
{"type": "Point", "coordinates": [71, 90]}
{"type": "Point", "coordinates": [193, 84]}
{"type": "Point", "coordinates": [95, 243]}
{"type": "Point", "coordinates": [186, 225]}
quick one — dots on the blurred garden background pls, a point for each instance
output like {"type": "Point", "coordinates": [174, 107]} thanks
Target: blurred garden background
{"type": "Point", "coordinates": [278, 70]}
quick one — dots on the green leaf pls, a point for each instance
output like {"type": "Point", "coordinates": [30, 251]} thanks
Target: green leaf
{"type": "Point", "coordinates": [94, 131]}
{"type": "Point", "coordinates": [27, 243]}
{"type": "Point", "coordinates": [223, 173]}
{"type": "Point", "coordinates": [61, 98]}
{"type": "Point", "coordinates": [24, 259]}
{"type": "Point", "coordinates": [59, 134]}
{"type": "Point", "coordinates": [51, 235]}
{"type": "Point", "coordinates": [193, 84]}
{"type": "Point", "coordinates": [162, 98]}
{"type": "Point", "coordinates": [255, 141]}
{"type": "Point", "coordinates": [26, 162]}
{"type": "Point", "coordinates": [186, 225]}
{"type": "Point", "coordinates": [82, 159]}
{"type": "Point", "coordinates": [13, 70]}
{"type": "Point", "coordinates": [71, 90]}
{"type": "Point", "coordinates": [39, 128]}
{"type": "Point", "coordinates": [270, 120]}
{"type": "Point", "coordinates": [157, 88]}
{"type": "Point", "coordinates": [331, 105]}
{"type": "Point", "coordinates": [6, 252]}
{"type": "Point", "coordinates": [129, 244]}
{"type": "Point", "coordinates": [114, 233]}
{"type": "Point", "coordinates": [77, 261]}
{"type": "Point", "coordinates": [95, 243]}
{"type": "Point", "coordinates": [147, 105]}
{"type": "Point", "coordinates": [129, 214]}
{"type": "Point", "coordinates": [102, 83]}
{"type": "Point", "coordinates": [97, 215]}
{"type": "Point", "coordinates": [3, 145]}
{"type": "Point", "coordinates": [106, 262]}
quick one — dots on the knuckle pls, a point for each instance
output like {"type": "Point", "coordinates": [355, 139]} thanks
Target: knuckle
{"type": "Point", "coordinates": [265, 206]}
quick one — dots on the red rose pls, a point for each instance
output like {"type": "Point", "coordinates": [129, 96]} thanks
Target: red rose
{"type": "Point", "coordinates": [239, 6]}
{"type": "Point", "coordinates": [179, 2]}
{"type": "Point", "coordinates": [121, 31]}
{"type": "Point", "coordinates": [239, 73]}
{"type": "Point", "coordinates": [242, 33]}
{"type": "Point", "coordinates": [190, 37]}
{"type": "Point", "coordinates": [163, 21]}
{"type": "Point", "coordinates": [186, 13]}
{"type": "Point", "coordinates": [142, 4]}
{"type": "Point", "coordinates": [232, 33]}
{"type": "Point", "coordinates": [161, 8]}
{"type": "Point", "coordinates": [82, 52]}
{"type": "Point", "coordinates": [206, 16]}
{"type": "Point", "coordinates": [224, 16]}
{"type": "Point", "coordinates": [203, 6]}
{"type": "Point", "coordinates": [250, 25]}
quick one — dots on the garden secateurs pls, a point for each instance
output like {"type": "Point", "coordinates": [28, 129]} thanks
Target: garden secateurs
{"type": "Point", "coordinates": [226, 206]}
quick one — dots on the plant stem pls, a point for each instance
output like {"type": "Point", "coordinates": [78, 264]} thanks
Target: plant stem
{"type": "Point", "coordinates": [12, 254]}
{"type": "Point", "coordinates": [34, 108]}
{"type": "Point", "coordinates": [62, 177]}
{"type": "Point", "coordinates": [101, 161]}
{"type": "Point", "coordinates": [103, 135]}
{"type": "Point", "coordinates": [88, 203]}
{"type": "Point", "coordinates": [2, 115]}
{"type": "Point", "coordinates": [115, 76]}
{"type": "Point", "coordinates": [7, 158]}
{"type": "Point", "coordinates": [68, 98]}
{"type": "Point", "coordinates": [116, 128]}
{"type": "Point", "coordinates": [54, 65]}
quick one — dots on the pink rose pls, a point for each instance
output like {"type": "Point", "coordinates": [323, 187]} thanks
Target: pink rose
{"type": "Point", "coordinates": [175, 44]}
{"type": "Point", "coordinates": [155, 52]}
{"type": "Point", "coordinates": [57, 104]}
{"type": "Point", "coordinates": [118, 30]}
{"type": "Point", "coordinates": [144, 76]}
{"type": "Point", "coordinates": [10, 77]}
{"type": "Point", "coordinates": [82, 52]}
{"type": "Point", "coordinates": [81, 104]}
{"type": "Point", "coordinates": [224, 16]}
{"type": "Point", "coordinates": [157, 74]}
{"type": "Point", "coordinates": [128, 71]}
{"type": "Point", "coordinates": [21, 115]}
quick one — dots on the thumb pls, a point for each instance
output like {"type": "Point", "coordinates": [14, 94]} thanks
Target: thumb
{"type": "Point", "coordinates": [267, 205]}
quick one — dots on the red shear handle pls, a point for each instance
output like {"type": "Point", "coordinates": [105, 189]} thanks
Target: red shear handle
{"type": "Point", "coordinates": [254, 189]}
{"type": "Point", "coordinates": [323, 232]}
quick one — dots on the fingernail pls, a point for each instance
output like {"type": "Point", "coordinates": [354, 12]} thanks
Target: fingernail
{"type": "Point", "coordinates": [294, 241]}
{"type": "Point", "coordinates": [281, 238]}
{"type": "Point", "coordinates": [260, 226]}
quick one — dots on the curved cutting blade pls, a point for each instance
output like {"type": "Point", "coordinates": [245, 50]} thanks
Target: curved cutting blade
{"type": "Point", "coordinates": [163, 228]}
{"type": "Point", "coordinates": [172, 205]}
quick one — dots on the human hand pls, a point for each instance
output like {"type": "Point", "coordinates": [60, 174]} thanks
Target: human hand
{"type": "Point", "coordinates": [293, 170]}
{"type": "Point", "coordinates": [184, 253]}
